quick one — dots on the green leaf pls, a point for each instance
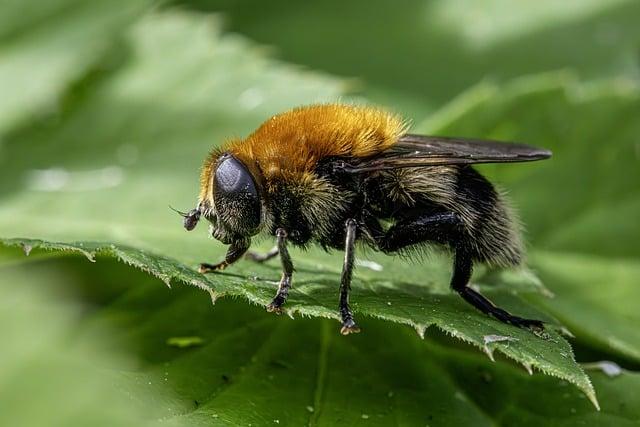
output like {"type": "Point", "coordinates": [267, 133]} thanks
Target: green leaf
{"type": "Point", "coordinates": [416, 305]}
{"type": "Point", "coordinates": [47, 378]}
{"type": "Point", "coordinates": [417, 55]}
{"type": "Point", "coordinates": [133, 144]}
{"type": "Point", "coordinates": [249, 368]}
{"type": "Point", "coordinates": [46, 46]}
{"type": "Point", "coordinates": [596, 298]}
{"type": "Point", "coordinates": [580, 207]}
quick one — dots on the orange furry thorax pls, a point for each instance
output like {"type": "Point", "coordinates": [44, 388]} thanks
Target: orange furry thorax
{"type": "Point", "coordinates": [290, 145]}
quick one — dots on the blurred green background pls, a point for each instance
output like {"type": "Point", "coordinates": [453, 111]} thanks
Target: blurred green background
{"type": "Point", "coordinates": [107, 109]}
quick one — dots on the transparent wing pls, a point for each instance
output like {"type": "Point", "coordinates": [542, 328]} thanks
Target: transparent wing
{"type": "Point", "coordinates": [420, 150]}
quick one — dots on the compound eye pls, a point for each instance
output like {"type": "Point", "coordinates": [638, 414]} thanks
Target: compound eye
{"type": "Point", "coordinates": [233, 177]}
{"type": "Point", "coordinates": [236, 196]}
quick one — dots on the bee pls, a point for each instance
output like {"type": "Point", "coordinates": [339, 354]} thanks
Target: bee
{"type": "Point", "coordinates": [336, 174]}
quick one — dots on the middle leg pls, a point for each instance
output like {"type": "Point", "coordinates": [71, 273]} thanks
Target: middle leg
{"type": "Point", "coordinates": [287, 272]}
{"type": "Point", "coordinates": [349, 326]}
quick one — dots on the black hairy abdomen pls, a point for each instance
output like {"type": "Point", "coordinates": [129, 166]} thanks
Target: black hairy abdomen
{"type": "Point", "coordinates": [491, 233]}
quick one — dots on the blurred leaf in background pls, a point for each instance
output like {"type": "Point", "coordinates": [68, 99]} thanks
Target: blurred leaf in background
{"type": "Point", "coordinates": [134, 98]}
{"type": "Point", "coordinates": [416, 55]}
{"type": "Point", "coordinates": [45, 46]}
{"type": "Point", "coordinates": [47, 376]}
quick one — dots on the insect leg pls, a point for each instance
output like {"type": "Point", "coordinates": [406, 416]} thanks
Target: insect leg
{"type": "Point", "coordinates": [287, 272]}
{"type": "Point", "coordinates": [445, 228]}
{"type": "Point", "coordinates": [257, 257]}
{"type": "Point", "coordinates": [235, 251]}
{"type": "Point", "coordinates": [462, 267]}
{"type": "Point", "coordinates": [349, 326]}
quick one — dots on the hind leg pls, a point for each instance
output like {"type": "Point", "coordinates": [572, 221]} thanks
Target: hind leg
{"type": "Point", "coordinates": [445, 228]}
{"type": "Point", "coordinates": [462, 267]}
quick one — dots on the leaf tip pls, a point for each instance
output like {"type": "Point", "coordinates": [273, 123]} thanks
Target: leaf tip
{"type": "Point", "coordinates": [214, 296]}
{"type": "Point", "coordinates": [27, 248]}
{"type": "Point", "coordinates": [489, 352]}
{"type": "Point", "coordinates": [420, 329]}
{"type": "Point", "coordinates": [593, 399]}
{"type": "Point", "coordinates": [165, 279]}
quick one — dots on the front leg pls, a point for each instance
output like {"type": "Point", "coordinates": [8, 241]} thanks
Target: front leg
{"type": "Point", "coordinates": [349, 326]}
{"type": "Point", "coordinates": [287, 272]}
{"type": "Point", "coordinates": [234, 253]}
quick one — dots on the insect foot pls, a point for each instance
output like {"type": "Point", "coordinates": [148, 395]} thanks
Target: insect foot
{"type": "Point", "coordinates": [275, 306]}
{"type": "Point", "coordinates": [349, 327]}
{"type": "Point", "coordinates": [208, 268]}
